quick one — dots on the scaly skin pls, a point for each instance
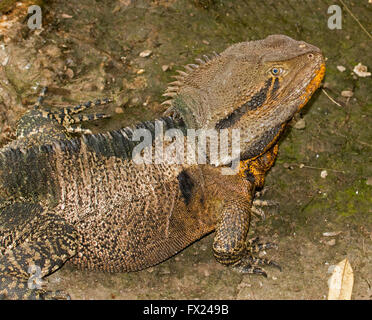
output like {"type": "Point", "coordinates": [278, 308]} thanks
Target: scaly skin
{"type": "Point", "coordinates": [85, 200]}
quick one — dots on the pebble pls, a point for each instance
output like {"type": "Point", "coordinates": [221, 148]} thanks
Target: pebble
{"type": "Point", "coordinates": [140, 71]}
{"type": "Point", "coordinates": [134, 100]}
{"type": "Point", "coordinates": [331, 242]}
{"type": "Point", "coordinates": [165, 67]}
{"type": "Point", "coordinates": [287, 166]}
{"type": "Point", "coordinates": [341, 68]}
{"type": "Point", "coordinates": [119, 110]}
{"type": "Point", "coordinates": [66, 16]}
{"type": "Point", "coordinates": [145, 53]}
{"type": "Point", "coordinates": [70, 73]}
{"type": "Point", "coordinates": [324, 174]}
{"type": "Point", "coordinates": [300, 124]}
{"type": "Point", "coordinates": [347, 93]}
{"type": "Point", "coordinates": [331, 233]}
{"type": "Point", "coordinates": [369, 181]}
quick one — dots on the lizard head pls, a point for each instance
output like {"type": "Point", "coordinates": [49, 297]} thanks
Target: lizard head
{"type": "Point", "coordinates": [254, 86]}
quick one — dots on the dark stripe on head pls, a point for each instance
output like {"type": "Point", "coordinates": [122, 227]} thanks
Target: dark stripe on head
{"type": "Point", "coordinates": [256, 101]}
{"type": "Point", "coordinates": [275, 87]}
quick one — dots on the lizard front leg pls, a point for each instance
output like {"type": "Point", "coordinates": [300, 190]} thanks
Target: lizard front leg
{"type": "Point", "coordinates": [231, 245]}
{"type": "Point", "coordinates": [254, 171]}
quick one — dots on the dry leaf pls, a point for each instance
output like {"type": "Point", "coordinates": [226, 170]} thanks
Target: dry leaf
{"type": "Point", "coordinates": [341, 282]}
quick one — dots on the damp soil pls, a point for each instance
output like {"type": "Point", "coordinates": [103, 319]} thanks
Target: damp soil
{"type": "Point", "coordinates": [321, 181]}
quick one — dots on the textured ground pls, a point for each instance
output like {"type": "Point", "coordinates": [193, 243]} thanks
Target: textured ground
{"type": "Point", "coordinates": [90, 49]}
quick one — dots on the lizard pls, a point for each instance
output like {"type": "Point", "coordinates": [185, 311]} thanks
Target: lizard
{"type": "Point", "coordinates": [85, 201]}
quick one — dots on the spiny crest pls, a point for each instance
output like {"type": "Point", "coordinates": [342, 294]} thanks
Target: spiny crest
{"type": "Point", "coordinates": [182, 77]}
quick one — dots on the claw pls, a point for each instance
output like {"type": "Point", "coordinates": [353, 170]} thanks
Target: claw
{"type": "Point", "coordinates": [258, 212]}
{"type": "Point", "coordinates": [251, 270]}
{"type": "Point", "coordinates": [253, 246]}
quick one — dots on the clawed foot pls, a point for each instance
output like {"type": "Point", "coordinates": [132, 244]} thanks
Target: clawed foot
{"type": "Point", "coordinates": [250, 264]}
{"type": "Point", "coordinates": [55, 295]}
{"type": "Point", "coordinates": [70, 115]}
{"type": "Point", "coordinates": [257, 204]}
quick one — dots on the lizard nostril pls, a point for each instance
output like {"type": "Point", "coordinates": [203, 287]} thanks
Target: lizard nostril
{"type": "Point", "coordinates": [310, 55]}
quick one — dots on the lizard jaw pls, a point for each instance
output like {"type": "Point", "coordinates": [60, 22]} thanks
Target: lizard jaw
{"type": "Point", "coordinates": [312, 86]}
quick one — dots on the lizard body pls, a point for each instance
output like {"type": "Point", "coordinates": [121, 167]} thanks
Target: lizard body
{"type": "Point", "coordinates": [86, 201]}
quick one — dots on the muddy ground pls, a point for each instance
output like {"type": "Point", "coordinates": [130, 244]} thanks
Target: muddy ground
{"type": "Point", "coordinates": [89, 49]}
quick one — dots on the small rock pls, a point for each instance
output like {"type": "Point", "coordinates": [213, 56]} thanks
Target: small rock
{"type": "Point", "coordinates": [369, 181]}
{"type": "Point", "coordinates": [205, 42]}
{"type": "Point", "coordinates": [324, 174]}
{"type": "Point", "coordinates": [341, 68]}
{"type": "Point", "coordinates": [203, 247]}
{"type": "Point", "coordinates": [145, 104]}
{"type": "Point", "coordinates": [122, 99]}
{"type": "Point", "coordinates": [287, 166]}
{"type": "Point", "coordinates": [140, 71]}
{"type": "Point", "coordinates": [300, 124]}
{"type": "Point", "coordinates": [134, 100]}
{"type": "Point", "coordinates": [70, 73]}
{"type": "Point", "coordinates": [66, 16]}
{"type": "Point", "coordinates": [361, 70]}
{"type": "Point", "coordinates": [301, 165]}
{"type": "Point", "coordinates": [331, 242]}
{"type": "Point", "coordinates": [70, 62]}
{"type": "Point", "coordinates": [165, 67]}
{"type": "Point", "coordinates": [145, 54]}
{"type": "Point", "coordinates": [347, 93]}
{"type": "Point", "coordinates": [331, 233]}
{"type": "Point", "coordinates": [119, 110]}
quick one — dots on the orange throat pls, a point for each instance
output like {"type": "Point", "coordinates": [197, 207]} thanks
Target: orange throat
{"type": "Point", "coordinates": [313, 85]}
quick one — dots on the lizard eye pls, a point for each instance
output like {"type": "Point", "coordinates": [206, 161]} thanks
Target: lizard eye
{"type": "Point", "coordinates": [276, 71]}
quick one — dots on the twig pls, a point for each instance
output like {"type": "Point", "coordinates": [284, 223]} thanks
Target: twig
{"type": "Point", "coordinates": [356, 140]}
{"type": "Point", "coordinates": [356, 19]}
{"type": "Point", "coordinates": [310, 167]}
{"type": "Point", "coordinates": [330, 98]}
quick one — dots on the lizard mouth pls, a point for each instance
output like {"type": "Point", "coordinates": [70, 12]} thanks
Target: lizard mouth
{"type": "Point", "coordinates": [312, 85]}
{"type": "Point", "coordinates": [297, 98]}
